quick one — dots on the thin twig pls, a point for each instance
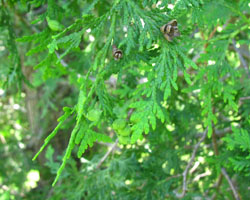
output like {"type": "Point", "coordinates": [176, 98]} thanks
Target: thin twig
{"type": "Point", "coordinates": [213, 32]}
{"type": "Point", "coordinates": [197, 56]}
{"type": "Point", "coordinates": [105, 144]}
{"type": "Point", "coordinates": [224, 172]}
{"type": "Point", "coordinates": [242, 60]}
{"type": "Point", "coordinates": [61, 60]}
{"type": "Point", "coordinates": [185, 173]}
{"type": "Point", "coordinates": [107, 154]}
{"type": "Point", "coordinates": [214, 141]}
{"type": "Point", "coordinates": [211, 36]}
{"type": "Point", "coordinates": [174, 176]}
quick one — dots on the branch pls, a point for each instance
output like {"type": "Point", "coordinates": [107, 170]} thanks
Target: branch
{"type": "Point", "coordinates": [107, 154]}
{"type": "Point", "coordinates": [217, 186]}
{"type": "Point", "coordinates": [40, 10]}
{"type": "Point", "coordinates": [219, 133]}
{"type": "Point", "coordinates": [224, 172]}
{"type": "Point", "coordinates": [243, 52]}
{"type": "Point", "coordinates": [223, 132]}
{"type": "Point", "coordinates": [185, 173]}
{"type": "Point", "coordinates": [242, 60]}
{"type": "Point", "coordinates": [197, 178]}
{"type": "Point", "coordinates": [244, 98]}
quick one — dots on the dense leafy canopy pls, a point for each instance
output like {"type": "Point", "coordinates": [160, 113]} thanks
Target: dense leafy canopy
{"type": "Point", "coordinates": [110, 105]}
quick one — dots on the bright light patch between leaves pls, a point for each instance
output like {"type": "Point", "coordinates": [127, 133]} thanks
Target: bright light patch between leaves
{"type": "Point", "coordinates": [146, 146]}
{"type": "Point", "coordinates": [211, 62]}
{"type": "Point", "coordinates": [198, 127]}
{"type": "Point", "coordinates": [91, 38]}
{"type": "Point", "coordinates": [128, 182]}
{"type": "Point", "coordinates": [33, 177]}
{"type": "Point", "coordinates": [219, 28]}
{"type": "Point", "coordinates": [170, 127]}
{"type": "Point", "coordinates": [21, 145]}
{"type": "Point", "coordinates": [1, 92]}
{"type": "Point", "coordinates": [16, 106]}
{"type": "Point", "coordinates": [171, 6]}
{"type": "Point", "coordinates": [142, 22]}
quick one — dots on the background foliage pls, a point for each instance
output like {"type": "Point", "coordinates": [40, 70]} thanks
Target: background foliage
{"type": "Point", "coordinates": [185, 104]}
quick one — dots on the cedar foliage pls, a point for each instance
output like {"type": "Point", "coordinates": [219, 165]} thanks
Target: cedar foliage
{"type": "Point", "coordinates": [169, 93]}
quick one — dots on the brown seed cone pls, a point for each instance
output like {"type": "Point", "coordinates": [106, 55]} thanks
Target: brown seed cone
{"type": "Point", "coordinates": [170, 30]}
{"type": "Point", "coordinates": [117, 53]}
